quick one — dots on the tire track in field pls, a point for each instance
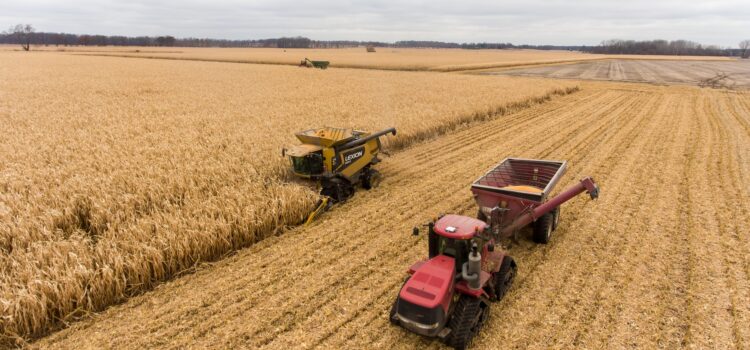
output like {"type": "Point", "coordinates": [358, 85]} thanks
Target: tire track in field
{"type": "Point", "coordinates": [741, 102]}
{"type": "Point", "coordinates": [730, 107]}
{"type": "Point", "coordinates": [732, 216]}
{"type": "Point", "coordinates": [673, 319]}
{"type": "Point", "coordinates": [708, 327]}
{"type": "Point", "coordinates": [639, 283]}
{"type": "Point", "coordinates": [594, 290]}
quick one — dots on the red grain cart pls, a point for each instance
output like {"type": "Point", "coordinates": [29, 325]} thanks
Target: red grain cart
{"type": "Point", "coordinates": [516, 192]}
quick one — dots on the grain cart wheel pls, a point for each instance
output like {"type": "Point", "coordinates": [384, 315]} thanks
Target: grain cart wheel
{"type": "Point", "coordinates": [555, 218]}
{"type": "Point", "coordinates": [503, 279]}
{"type": "Point", "coordinates": [543, 228]}
{"type": "Point", "coordinates": [468, 318]}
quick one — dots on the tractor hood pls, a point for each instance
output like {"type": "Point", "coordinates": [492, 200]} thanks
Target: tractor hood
{"type": "Point", "coordinates": [303, 150]}
{"type": "Point", "coordinates": [430, 285]}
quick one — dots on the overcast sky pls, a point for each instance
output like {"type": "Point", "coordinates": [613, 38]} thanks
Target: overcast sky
{"type": "Point", "coordinates": [572, 22]}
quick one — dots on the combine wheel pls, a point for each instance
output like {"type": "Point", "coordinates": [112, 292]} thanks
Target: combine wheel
{"type": "Point", "coordinates": [468, 318]}
{"type": "Point", "coordinates": [338, 189]}
{"type": "Point", "coordinates": [556, 218]}
{"type": "Point", "coordinates": [371, 179]}
{"type": "Point", "coordinates": [503, 279]}
{"type": "Point", "coordinates": [543, 228]}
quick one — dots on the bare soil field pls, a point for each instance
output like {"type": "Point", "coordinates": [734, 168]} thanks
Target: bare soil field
{"type": "Point", "coordinates": [118, 173]}
{"type": "Point", "coordinates": [648, 71]}
{"type": "Point", "coordinates": [384, 58]}
{"type": "Point", "coordinates": [661, 260]}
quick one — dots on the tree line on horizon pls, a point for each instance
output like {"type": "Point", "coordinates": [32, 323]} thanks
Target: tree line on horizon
{"type": "Point", "coordinates": [25, 35]}
{"type": "Point", "coordinates": [665, 47]}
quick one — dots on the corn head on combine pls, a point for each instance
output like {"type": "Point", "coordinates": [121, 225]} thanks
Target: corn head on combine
{"type": "Point", "coordinates": [448, 295]}
{"type": "Point", "coordinates": [339, 159]}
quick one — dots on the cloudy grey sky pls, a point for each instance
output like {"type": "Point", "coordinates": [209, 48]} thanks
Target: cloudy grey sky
{"type": "Point", "coordinates": [573, 22]}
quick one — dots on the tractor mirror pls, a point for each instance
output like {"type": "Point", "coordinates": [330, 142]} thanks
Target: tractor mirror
{"type": "Point", "coordinates": [415, 231]}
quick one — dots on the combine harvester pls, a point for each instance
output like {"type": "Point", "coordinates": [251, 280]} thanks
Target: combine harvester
{"type": "Point", "coordinates": [339, 159]}
{"type": "Point", "coordinates": [314, 64]}
{"type": "Point", "coordinates": [449, 294]}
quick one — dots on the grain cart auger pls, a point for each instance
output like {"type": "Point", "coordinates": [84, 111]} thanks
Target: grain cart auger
{"type": "Point", "coordinates": [448, 295]}
{"type": "Point", "coordinates": [339, 159]}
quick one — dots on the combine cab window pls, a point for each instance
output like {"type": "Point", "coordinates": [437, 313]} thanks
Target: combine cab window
{"type": "Point", "coordinates": [311, 164]}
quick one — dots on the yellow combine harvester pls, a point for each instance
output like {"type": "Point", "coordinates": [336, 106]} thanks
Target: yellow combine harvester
{"type": "Point", "coordinates": [339, 159]}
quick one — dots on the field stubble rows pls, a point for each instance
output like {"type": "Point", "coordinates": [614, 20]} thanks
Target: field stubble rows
{"type": "Point", "coordinates": [659, 261]}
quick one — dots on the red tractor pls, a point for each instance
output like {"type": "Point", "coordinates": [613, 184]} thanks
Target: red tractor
{"type": "Point", "coordinates": [448, 295]}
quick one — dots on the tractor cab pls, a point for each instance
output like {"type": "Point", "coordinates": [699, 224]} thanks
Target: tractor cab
{"type": "Point", "coordinates": [307, 160]}
{"type": "Point", "coordinates": [454, 235]}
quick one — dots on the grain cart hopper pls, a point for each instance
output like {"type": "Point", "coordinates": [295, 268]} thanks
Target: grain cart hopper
{"type": "Point", "coordinates": [515, 193]}
{"type": "Point", "coordinates": [448, 295]}
{"type": "Point", "coordinates": [339, 159]}
{"type": "Point", "coordinates": [314, 64]}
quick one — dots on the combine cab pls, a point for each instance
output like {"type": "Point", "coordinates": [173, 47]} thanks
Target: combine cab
{"type": "Point", "coordinates": [339, 159]}
{"type": "Point", "coordinates": [448, 295]}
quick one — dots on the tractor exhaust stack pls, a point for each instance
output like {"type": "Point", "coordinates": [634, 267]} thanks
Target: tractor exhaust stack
{"type": "Point", "coordinates": [470, 270]}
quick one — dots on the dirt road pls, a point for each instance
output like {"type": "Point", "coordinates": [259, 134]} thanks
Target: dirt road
{"type": "Point", "coordinates": [662, 259]}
